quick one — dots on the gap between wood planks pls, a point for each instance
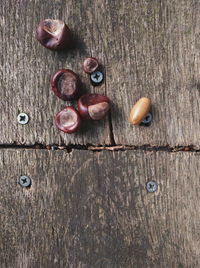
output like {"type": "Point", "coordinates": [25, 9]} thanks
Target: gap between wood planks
{"type": "Point", "coordinates": [98, 148]}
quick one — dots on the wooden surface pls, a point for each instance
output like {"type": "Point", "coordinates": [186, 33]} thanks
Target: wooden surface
{"type": "Point", "coordinates": [148, 48]}
{"type": "Point", "coordinates": [71, 218]}
{"type": "Point", "coordinates": [89, 207]}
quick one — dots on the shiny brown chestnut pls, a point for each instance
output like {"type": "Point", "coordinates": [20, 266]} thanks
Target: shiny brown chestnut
{"type": "Point", "coordinates": [66, 84]}
{"type": "Point", "coordinates": [54, 34]}
{"type": "Point", "coordinates": [68, 120]}
{"type": "Point", "coordinates": [93, 106]}
{"type": "Point", "coordinates": [90, 65]}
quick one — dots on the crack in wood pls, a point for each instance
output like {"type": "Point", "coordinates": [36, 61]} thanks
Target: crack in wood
{"type": "Point", "coordinates": [98, 148]}
{"type": "Point", "coordinates": [112, 138]}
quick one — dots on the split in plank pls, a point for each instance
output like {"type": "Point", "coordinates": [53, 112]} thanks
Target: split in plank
{"type": "Point", "coordinates": [148, 48]}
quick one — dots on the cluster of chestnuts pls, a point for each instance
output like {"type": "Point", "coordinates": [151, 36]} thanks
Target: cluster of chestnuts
{"type": "Point", "coordinates": [55, 35]}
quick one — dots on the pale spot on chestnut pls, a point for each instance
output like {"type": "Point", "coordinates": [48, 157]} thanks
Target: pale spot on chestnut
{"type": "Point", "coordinates": [99, 110]}
{"type": "Point", "coordinates": [67, 84]}
{"type": "Point", "coordinates": [93, 106]}
{"type": "Point", "coordinates": [54, 27]}
{"type": "Point", "coordinates": [68, 120]}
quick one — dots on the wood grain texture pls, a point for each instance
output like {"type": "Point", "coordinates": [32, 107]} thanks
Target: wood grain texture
{"type": "Point", "coordinates": [148, 48]}
{"type": "Point", "coordinates": [155, 53]}
{"type": "Point", "coordinates": [26, 68]}
{"type": "Point", "coordinates": [79, 213]}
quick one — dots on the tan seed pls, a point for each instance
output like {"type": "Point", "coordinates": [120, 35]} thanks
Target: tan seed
{"type": "Point", "coordinates": [140, 111]}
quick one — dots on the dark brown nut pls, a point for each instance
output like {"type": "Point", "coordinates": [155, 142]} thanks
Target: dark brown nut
{"type": "Point", "coordinates": [66, 84]}
{"type": "Point", "coordinates": [68, 120]}
{"type": "Point", "coordinates": [90, 65]}
{"type": "Point", "coordinates": [93, 106]}
{"type": "Point", "coordinates": [54, 34]}
{"type": "Point", "coordinates": [139, 111]}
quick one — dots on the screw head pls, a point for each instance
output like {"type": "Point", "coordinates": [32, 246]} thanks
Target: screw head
{"type": "Point", "coordinates": [147, 119]}
{"type": "Point", "coordinates": [96, 78]}
{"type": "Point", "coordinates": [152, 186]}
{"type": "Point", "coordinates": [25, 181]}
{"type": "Point", "coordinates": [22, 118]}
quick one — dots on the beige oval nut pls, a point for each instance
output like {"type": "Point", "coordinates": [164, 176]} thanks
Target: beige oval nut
{"type": "Point", "coordinates": [139, 111]}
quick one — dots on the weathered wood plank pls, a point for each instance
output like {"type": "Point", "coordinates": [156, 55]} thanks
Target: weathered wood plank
{"type": "Point", "coordinates": [154, 52]}
{"type": "Point", "coordinates": [149, 48]}
{"type": "Point", "coordinates": [26, 68]}
{"type": "Point", "coordinates": [88, 209]}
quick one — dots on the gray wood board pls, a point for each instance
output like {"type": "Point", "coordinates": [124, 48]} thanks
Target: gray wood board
{"type": "Point", "coordinates": [80, 213]}
{"type": "Point", "coordinates": [26, 68]}
{"type": "Point", "coordinates": [148, 48]}
{"type": "Point", "coordinates": [154, 52]}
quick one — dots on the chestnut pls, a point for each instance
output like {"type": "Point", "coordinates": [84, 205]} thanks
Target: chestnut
{"type": "Point", "coordinates": [66, 84]}
{"type": "Point", "coordinates": [68, 120]}
{"type": "Point", "coordinates": [90, 65]}
{"type": "Point", "coordinates": [93, 106]}
{"type": "Point", "coordinates": [54, 34]}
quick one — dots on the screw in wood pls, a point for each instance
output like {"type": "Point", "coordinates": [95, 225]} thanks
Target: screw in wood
{"type": "Point", "coordinates": [22, 118]}
{"type": "Point", "coordinates": [25, 181]}
{"type": "Point", "coordinates": [96, 78]}
{"type": "Point", "coordinates": [152, 186]}
{"type": "Point", "coordinates": [147, 119]}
